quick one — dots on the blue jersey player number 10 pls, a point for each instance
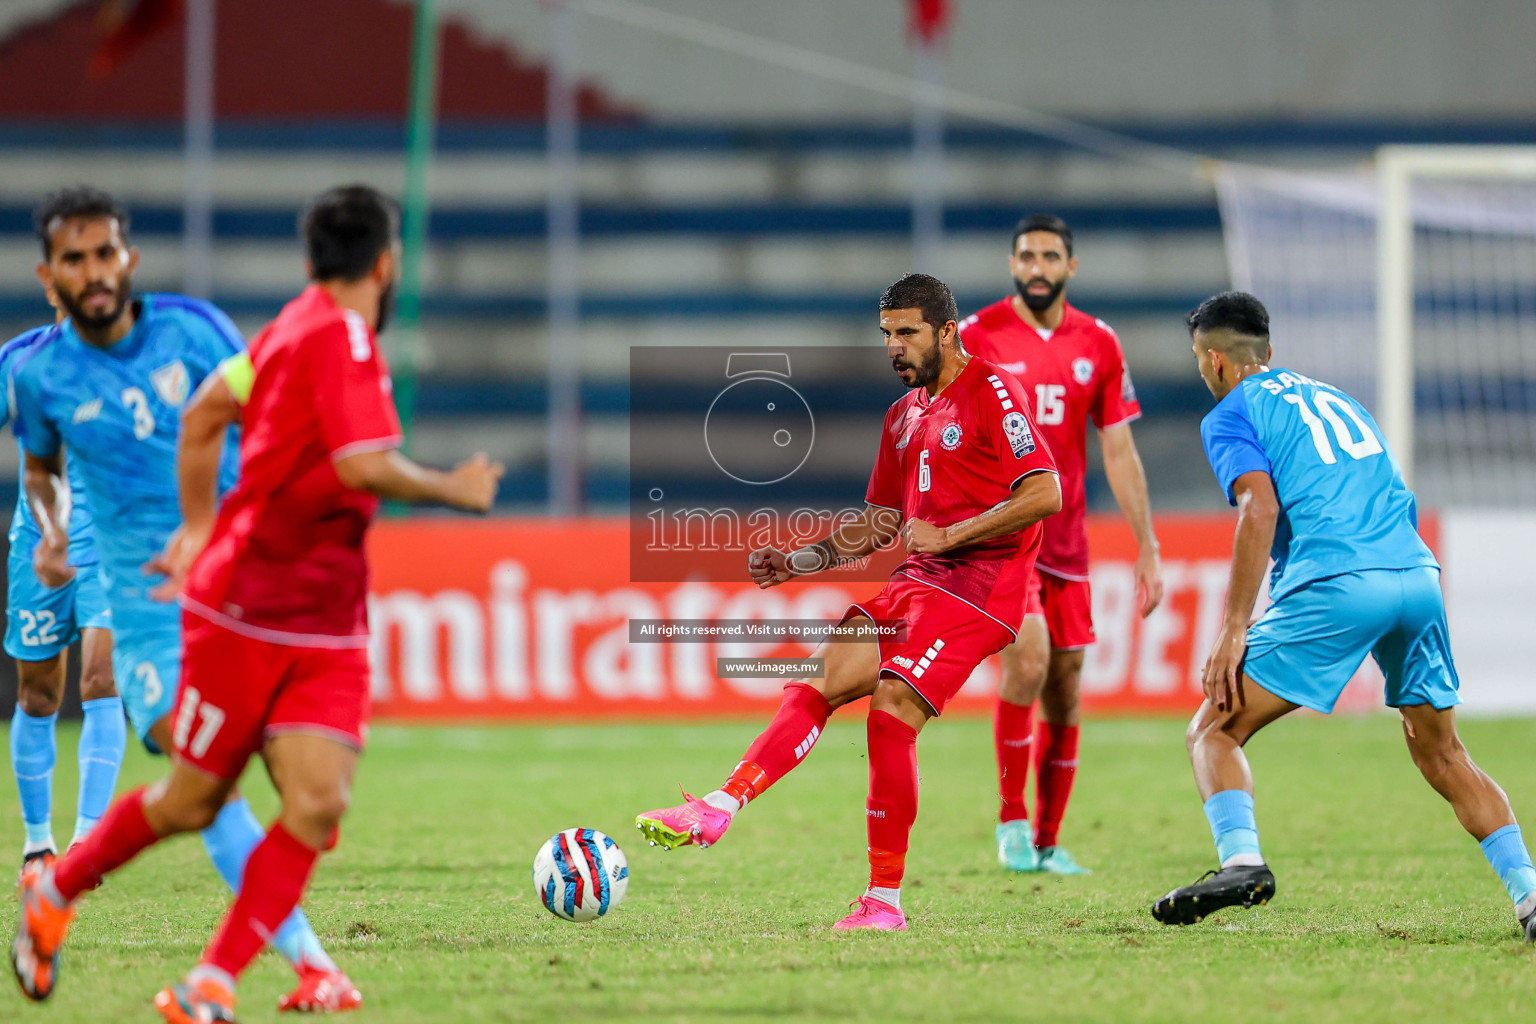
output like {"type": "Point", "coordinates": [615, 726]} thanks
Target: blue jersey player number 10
{"type": "Point", "coordinates": [1333, 408]}
{"type": "Point", "coordinates": [1318, 491]}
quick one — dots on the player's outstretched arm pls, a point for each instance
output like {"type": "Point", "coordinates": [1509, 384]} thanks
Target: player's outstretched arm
{"type": "Point", "coordinates": [1128, 481]}
{"type": "Point", "coordinates": [1258, 511]}
{"type": "Point", "coordinates": [470, 486]}
{"type": "Point", "coordinates": [49, 498]}
{"type": "Point", "coordinates": [1035, 497]}
{"type": "Point", "coordinates": [862, 535]}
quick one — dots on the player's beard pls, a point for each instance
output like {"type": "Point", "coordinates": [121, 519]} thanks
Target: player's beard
{"type": "Point", "coordinates": [927, 369]}
{"type": "Point", "coordinates": [1039, 303]}
{"type": "Point", "coordinates": [386, 308]}
{"type": "Point", "coordinates": [75, 307]}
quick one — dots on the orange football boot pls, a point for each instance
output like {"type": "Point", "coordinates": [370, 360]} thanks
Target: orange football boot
{"type": "Point", "coordinates": [40, 935]}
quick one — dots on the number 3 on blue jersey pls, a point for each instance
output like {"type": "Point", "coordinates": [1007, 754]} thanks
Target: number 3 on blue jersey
{"type": "Point", "coordinates": [143, 419]}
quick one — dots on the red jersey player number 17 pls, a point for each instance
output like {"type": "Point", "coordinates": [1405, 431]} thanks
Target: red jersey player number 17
{"type": "Point", "coordinates": [275, 620]}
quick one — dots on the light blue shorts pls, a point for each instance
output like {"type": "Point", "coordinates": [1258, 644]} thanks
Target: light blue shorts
{"type": "Point", "coordinates": [42, 621]}
{"type": "Point", "coordinates": [1310, 642]}
{"type": "Point", "coordinates": [146, 659]}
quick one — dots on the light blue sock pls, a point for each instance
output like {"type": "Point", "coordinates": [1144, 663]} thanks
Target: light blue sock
{"type": "Point", "coordinates": [103, 739]}
{"type": "Point", "coordinates": [1234, 828]}
{"type": "Point", "coordinates": [1505, 850]}
{"type": "Point", "coordinates": [33, 754]}
{"type": "Point", "coordinates": [229, 841]}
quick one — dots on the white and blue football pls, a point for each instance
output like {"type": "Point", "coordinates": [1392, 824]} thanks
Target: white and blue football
{"type": "Point", "coordinates": [580, 874]}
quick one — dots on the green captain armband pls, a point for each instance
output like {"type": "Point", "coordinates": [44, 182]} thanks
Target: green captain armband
{"type": "Point", "coordinates": [239, 375]}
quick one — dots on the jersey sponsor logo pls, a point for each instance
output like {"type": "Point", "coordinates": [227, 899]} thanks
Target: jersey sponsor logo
{"type": "Point", "coordinates": [172, 383]}
{"type": "Point", "coordinates": [1017, 367]}
{"type": "Point", "coordinates": [950, 438]}
{"type": "Point", "coordinates": [1020, 437]}
{"type": "Point", "coordinates": [1082, 370]}
{"type": "Point", "coordinates": [1127, 389]}
{"type": "Point", "coordinates": [87, 411]}
{"type": "Point", "coordinates": [904, 439]}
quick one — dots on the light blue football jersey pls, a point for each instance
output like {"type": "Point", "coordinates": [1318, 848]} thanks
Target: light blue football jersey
{"type": "Point", "coordinates": [1343, 504]}
{"type": "Point", "coordinates": [24, 533]}
{"type": "Point", "coordinates": [118, 412]}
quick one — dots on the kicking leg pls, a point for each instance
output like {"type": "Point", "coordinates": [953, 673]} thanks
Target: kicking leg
{"type": "Point", "coordinates": [228, 840]}
{"type": "Point", "coordinates": [1056, 758]}
{"type": "Point", "coordinates": [187, 800]}
{"type": "Point", "coordinates": [1025, 663]}
{"type": "Point", "coordinates": [896, 715]}
{"type": "Point", "coordinates": [313, 775]}
{"type": "Point", "coordinates": [103, 733]}
{"type": "Point", "coordinates": [34, 749]}
{"type": "Point", "coordinates": [1215, 740]}
{"type": "Point", "coordinates": [851, 670]}
{"type": "Point", "coordinates": [1479, 803]}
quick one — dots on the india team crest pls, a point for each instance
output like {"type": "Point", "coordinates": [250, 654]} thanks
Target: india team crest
{"type": "Point", "coordinates": [172, 383]}
{"type": "Point", "coordinates": [950, 438]}
{"type": "Point", "coordinates": [1020, 437]}
{"type": "Point", "coordinates": [1082, 370]}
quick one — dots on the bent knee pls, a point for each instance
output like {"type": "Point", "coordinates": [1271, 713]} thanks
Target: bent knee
{"type": "Point", "coordinates": [1024, 674]}
{"type": "Point", "coordinates": [184, 815]}
{"type": "Point", "coordinates": [37, 702]}
{"type": "Point", "coordinates": [1435, 754]}
{"type": "Point", "coordinates": [322, 806]}
{"type": "Point", "coordinates": [97, 684]}
{"type": "Point", "coordinates": [1210, 723]}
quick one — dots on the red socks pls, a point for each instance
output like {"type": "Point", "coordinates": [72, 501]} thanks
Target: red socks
{"type": "Point", "coordinates": [892, 806]}
{"type": "Point", "coordinates": [274, 882]}
{"type": "Point", "coordinates": [783, 745]}
{"type": "Point", "coordinates": [1013, 734]}
{"type": "Point", "coordinates": [121, 835]}
{"type": "Point", "coordinates": [1056, 763]}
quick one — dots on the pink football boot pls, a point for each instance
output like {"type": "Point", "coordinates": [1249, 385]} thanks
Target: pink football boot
{"type": "Point", "coordinates": [693, 823]}
{"type": "Point", "coordinates": [875, 914]}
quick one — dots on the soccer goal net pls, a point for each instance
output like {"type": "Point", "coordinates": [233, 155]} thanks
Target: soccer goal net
{"type": "Point", "coordinates": [1412, 285]}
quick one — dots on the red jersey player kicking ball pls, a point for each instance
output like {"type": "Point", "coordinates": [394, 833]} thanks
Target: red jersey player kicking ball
{"type": "Point", "coordinates": [964, 479]}
{"type": "Point", "coordinates": [274, 608]}
{"type": "Point", "coordinates": [1072, 369]}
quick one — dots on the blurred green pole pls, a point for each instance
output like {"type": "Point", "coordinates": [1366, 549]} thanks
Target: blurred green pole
{"type": "Point", "coordinates": [416, 208]}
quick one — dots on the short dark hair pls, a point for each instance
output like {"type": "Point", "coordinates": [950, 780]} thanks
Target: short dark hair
{"type": "Point", "coordinates": [1042, 222]}
{"type": "Point", "coordinates": [344, 230]}
{"type": "Point", "coordinates": [926, 293]}
{"type": "Point", "coordinates": [1237, 312]}
{"type": "Point", "coordinates": [70, 203]}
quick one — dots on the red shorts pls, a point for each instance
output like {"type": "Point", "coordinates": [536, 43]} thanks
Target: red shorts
{"type": "Point", "coordinates": [1067, 607]}
{"type": "Point", "coordinates": [237, 691]}
{"type": "Point", "coordinates": [946, 638]}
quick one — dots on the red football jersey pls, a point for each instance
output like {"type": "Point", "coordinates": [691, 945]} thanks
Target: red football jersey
{"type": "Point", "coordinates": [946, 459]}
{"type": "Point", "coordinates": [1076, 374]}
{"type": "Point", "coordinates": [286, 561]}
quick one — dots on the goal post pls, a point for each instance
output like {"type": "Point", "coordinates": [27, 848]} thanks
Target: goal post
{"type": "Point", "coordinates": [1411, 283]}
{"type": "Point", "coordinates": [1397, 167]}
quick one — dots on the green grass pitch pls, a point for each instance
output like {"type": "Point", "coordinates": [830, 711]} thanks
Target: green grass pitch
{"type": "Point", "coordinates": [1386, 909]}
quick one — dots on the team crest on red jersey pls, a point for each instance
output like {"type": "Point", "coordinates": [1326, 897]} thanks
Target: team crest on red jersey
{"type": "Point", "coordinates": [950, 437]}
{"type": "Point", "coordinates": [1082, 370]}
